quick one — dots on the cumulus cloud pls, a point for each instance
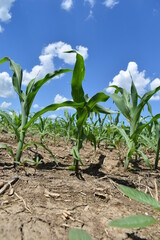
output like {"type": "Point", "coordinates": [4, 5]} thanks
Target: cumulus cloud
{"type": "Point", "coordinates": [154, 84]}
{"type": "Point", "coordinates": [5, 105]}
{"type": "Point", "coordinates": [35, 106]}
{"type": "Point", "coordinates": [110, 3]}
{"type": "Point", "coordinates": [6, 88]}
{"type": "Point", "coordinates": [53, 50]}
{"type": "Point", "coordinates": [123, 79]}
{"type": "Point", "coordinates": [53, 116]}
{"type": "Point", "coordinates": [5, 15]}
{"type": "Point", "coordinates": [59, 99]}
{"type": "Point", "coordinates": [67, 4]}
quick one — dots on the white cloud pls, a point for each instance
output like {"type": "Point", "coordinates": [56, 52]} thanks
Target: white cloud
{"type": "Point", "coordinates": [155, 83]}
{"type": "Point", "coordinates": [123, 79]}
{"type": "Point", "coordinates": [35, 105]}
{"type": "Point", "coordinates": [67, 4]}
{"type": "Point", "coordinates": [110, 3]}
{"type": "Point", "coordinates": [53, 116]}
{"type": "Point", "coordinates": [50, 52]}
{"type": "Point", "coordinates": [5, 104]}
{"type": "Point", "coordinates": [6, 88]}
{"type": "Point", "coordinates": [59, 99]}
{"type": "Point", "coordinates": [5, 6]}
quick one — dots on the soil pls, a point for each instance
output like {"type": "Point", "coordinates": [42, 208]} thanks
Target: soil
{"type": "Point", "coordinates": [46, 204]}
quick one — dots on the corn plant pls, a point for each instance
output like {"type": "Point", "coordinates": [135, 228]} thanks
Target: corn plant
{"type": "Point", "coordinates": [137, 221]}
{"type": "Point", "coordinates": [83, 105]}
{"type": "Point", "coordinates": [26, 99]}
{"type": "Point", "coordinates": [131, 106]}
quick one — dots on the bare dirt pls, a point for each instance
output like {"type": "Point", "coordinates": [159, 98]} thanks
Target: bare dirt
{"type": "Point", "coordinates": [45, 205]}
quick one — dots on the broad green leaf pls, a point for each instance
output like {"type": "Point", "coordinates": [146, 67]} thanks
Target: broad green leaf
{"type": "Point", "coordinates": [142, 103]}
{"type": "Point", "coordinates": [124, 135]}
{"type": "Point", "coordinates": [17, 75]}
{"type": "Point", "coordinates": [139, 196]}
{"type": "Point", "coordinates": [78, 234]}
{"type": "Point", "coordinates": [53, 107]}
{"type": "Point", "coordinates": [121, 104]}
{"type": "Point", "coordinates": [100, 109]}
{"type": "Point", "coordinates": [10, 122]}
{"type": "Point", "coordinates": [33, 88]}
{"type": "Point", "coordinates": [30, 86]}
{"type": "Point", "coordinates": [137, 221]}
{"type": "Point", "coordinates": [77, 78]}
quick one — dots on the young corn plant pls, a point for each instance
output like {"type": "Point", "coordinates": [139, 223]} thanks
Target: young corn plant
{"type": "Point", "coordinates": [83, 105]}
{"type": "Point", "coordinates": [131, 106]}
{"type": "Point", "coordinates": [137, 221]}
{"type": "Point", "coordinates": [26, 99]}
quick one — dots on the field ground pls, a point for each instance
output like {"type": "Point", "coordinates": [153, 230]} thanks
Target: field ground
{"type": "Point", "coordinates": [47, 204]}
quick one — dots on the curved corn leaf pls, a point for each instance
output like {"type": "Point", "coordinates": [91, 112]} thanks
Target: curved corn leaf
{"type": "Point", "coordinates": [138, 221]}
{"type": "Point", "coordinates": [121, 104]}
{"type": "Point", "coordinates": [17, 75]}
{"type": "Point", "coordinates": [139, 196]}
{"type": "Point", "coordinates": [141, 127]}
{"type": "Point", "coordinates": [33, 88]}
{"type": "Point", "coordinates": [145, 158]}
{"type": "Point", "coordinates": [10, 122]}
{"type": "Point", "coordinates": [78, 234]}
{"type": "Point", "coordinates": [53, 107]}
{"type": "Point", "coordinates": [143, 102]}
{"type": "Point", "coordinates": [77, 78]}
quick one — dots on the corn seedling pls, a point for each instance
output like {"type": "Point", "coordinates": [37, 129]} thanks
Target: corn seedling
{"type": "Point", "coordinates": [128, 105]}
{"type": "Point", "coordinates": [78, 234]}
{"type": "Point", "coordinates": [26, 99]}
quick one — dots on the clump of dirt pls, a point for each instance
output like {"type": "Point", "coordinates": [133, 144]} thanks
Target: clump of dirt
{"type": "Point", "coordinates": [48, 203]}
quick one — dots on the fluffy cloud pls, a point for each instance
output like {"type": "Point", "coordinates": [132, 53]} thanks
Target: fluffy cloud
{"type": "Point", "coordinates": [35, 106]}
{"type": "Point", "coordinates": [6, 89]}
{"type": "Point", "coordinates": [123, 79]}
{"type": "Point", "coordinates": [155, 83]}
{"type": "Point", "coordinates": [59, 99]}
{"type": "Point", "coordinates": [53, 116]}
{"type": "Point", "coordinates": [5, 15]}
{"type": "Point", "coordinates": [67, 4]}
{"type": "Point", "coordinates": [50, 52]}
{"type": "Point", "coordinates": [5, 104]}
{"type": "Point", "coordinates": [110, 3]}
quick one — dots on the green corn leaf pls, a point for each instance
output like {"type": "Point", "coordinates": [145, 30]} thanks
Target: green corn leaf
{"type": "Point", "coordinates": [134, 95]}
{"type": "Point", "coordinates": [100, 109]}
{"type": "Point", "coordinates": [138, 221]}
{"type": "Point", "coordinates": [53, 107]}
{"type": "Point", "coordinates": [30, 86]}
{"type": "Point", "coordinates": [124, 135]}
{"type": "Point", "coordinates": [78, 234]}
{"type": "Point", "coordinates": [33, 88]}
{"type": "Point", "coordinates": [140, 128]}
{"type": "Point", "coordinates": [77, 78]}
{"type": "Point", "coordinates": [139, 196]}
{"type": "Point", "coordinates": [121, 104]}
{"type": "Point", "coordinates": [10, 121]}
{"type": "Point", "coordinates": [142, 103]}
{"type": "Point", "coordinates": [145, 158]}
{"type": "Point", "coordinates": [17, 74]}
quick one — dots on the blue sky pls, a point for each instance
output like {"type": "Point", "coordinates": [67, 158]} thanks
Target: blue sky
{"type": "Point", "coordinates": [114, 36]}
